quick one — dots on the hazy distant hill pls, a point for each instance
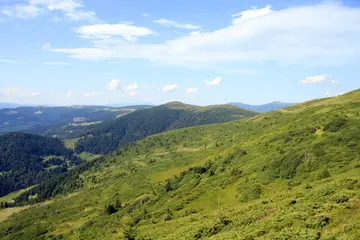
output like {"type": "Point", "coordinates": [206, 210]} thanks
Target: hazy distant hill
{"type": "Point", "coordinates": [38, 119]}
{"type": "Point", "coordinates": [108, 136]}
{"type": "Point", "coordinates": [9, 105]}
{"type": "Point", "coordinates": [264, 107]}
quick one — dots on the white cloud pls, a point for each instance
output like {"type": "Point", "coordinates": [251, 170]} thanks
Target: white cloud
{"type": "Point", "coordinates": [17, 92]}
{"type": "Point", "coordinates": [71, 9]}
{"type": "Point", "coordinates": [195, 33]}
{"type": "Point", "coordinates": [93, 94]}
{"type": "Point", "coordinates": [251, 14]}
{"type": "Point", "coordinates": [132, 94]}
{"type": "Point", "coordinates": [171, 23]}
{"type": "Point", "coordinates": [146, 14]}
{"type": "Point", "coordinates": [192, 90]}
{"type": "Point", "coordinates": [215, 81]}
{"type": "Point", "coordinates": [169, 88]}
{"type": "Point", "coordinates": [131, 87]}
{"type": "Point", "coordinates": [35, 94]}
{"type": "Point", "coordinates": [113, 84]}
{"type": "Point", "coordinates": [314, 79]}
{"type": "Point", "coordinates": [56, 63]}
{"type": "Point", "coordinates": [8, 61]}
{"type": "Point", "coordinates": [325, 34]}
{"type": "Point", "coordinates": [328, 94]}
{"type": "Point", "coordinates": [115, 62]}
{"type": "Point", "coordinates": [100, 31]}
{"type": "Point", "coordinates": [70, 94]}
{"type": "Point", "coordinates": [334, 82]}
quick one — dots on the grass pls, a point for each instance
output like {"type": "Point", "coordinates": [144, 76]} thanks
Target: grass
{"type": "Point", "coordinates": [88, 156]}
{"type": "Point", "coordinates": [13, 195]}
{"type": "Point", "coordinates": [275, 176]}
{"type": "Point", "coordinates": [70, 143]}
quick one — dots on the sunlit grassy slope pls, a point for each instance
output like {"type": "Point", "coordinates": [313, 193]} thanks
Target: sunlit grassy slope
{"type": "Point", "coordinates": [288, 174]}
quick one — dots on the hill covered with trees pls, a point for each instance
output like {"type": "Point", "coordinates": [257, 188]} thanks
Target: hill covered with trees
{"type": "Point", "coordinates": [287, 174]}
{"type": "Point", "coordinates": [108, 136]}
{"type": "Point", "coordinates": [26, 160]}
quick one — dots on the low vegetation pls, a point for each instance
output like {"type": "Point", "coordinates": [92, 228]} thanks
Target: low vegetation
{"type": "Point", "coordinates": [269, 177]}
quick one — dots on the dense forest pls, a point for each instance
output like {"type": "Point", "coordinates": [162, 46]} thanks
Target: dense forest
{"type": "Point", "coordinates": [108, 136]}
{"type": "Point", "coordinates": [27, 159]}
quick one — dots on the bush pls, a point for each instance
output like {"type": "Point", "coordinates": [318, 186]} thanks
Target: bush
{"type": "Point", "coordinates": [335, 125]}
{"type": "Point", "coordinates": [324, 174]}
{"type": "Point", "coordinates": [249, 192]}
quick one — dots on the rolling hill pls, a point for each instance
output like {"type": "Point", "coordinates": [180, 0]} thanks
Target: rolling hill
{"type": "Point", "coordinates": [287, 174]}
{"type": "Point", "coordinates": [108, 136]}
{"type": "Point", "coordinates": [268, 107]}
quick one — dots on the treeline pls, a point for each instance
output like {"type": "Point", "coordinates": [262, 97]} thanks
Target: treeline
{"type": "Point", "coordinates": [56, 185]}
{"type": "Point", "coordinates": [22, 162]}
{"type": "Point", "coordinates": [108, 136]}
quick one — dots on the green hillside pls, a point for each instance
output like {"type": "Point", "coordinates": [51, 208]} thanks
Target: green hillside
{"type": "Point", "coordinates": [108, 136]}
{"type": "Point", "coordinates": [287, 174]}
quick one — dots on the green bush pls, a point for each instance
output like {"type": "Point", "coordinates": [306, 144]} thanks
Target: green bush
{"type": "Point", "coordinates": [335, 125]}
{"type": "Point", "coordinates": [249, 191]}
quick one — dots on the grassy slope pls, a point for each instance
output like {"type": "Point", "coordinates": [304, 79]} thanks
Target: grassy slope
{"type": "Point", "coordinates": [279, 175]}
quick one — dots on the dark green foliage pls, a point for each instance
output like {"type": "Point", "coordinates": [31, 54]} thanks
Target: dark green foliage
{"type": "Point", "coordinates": [110, 209]}
{"type": "Point", "coordinates": [285, 168]}
{"type": "Point", "coordinates": [249, 191]}
{"type": "Point", "coordinates": [335, 124]}
{"type": "Point", "coordinates": [324, 174]}
{"type": "Point", "coordinates": [58, 184]}
{"type": "Point", "coordinates": [22, 163]}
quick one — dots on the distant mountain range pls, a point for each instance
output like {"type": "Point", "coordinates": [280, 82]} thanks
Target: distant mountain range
{"type": "Point", "coordinates": [9, 105]}
{"type": "Point", "coordinates": [268, 107]}
{"type": "Point", "coordinates": [38, 119]}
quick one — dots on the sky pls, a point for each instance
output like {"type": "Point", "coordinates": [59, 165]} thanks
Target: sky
{"type": "Point", "coordinates": [70, 52]}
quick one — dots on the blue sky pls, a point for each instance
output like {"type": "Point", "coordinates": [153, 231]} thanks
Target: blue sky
{"type": "Point", "coordinates": [65, 52]}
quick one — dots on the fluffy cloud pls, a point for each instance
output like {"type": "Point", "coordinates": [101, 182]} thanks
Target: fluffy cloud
{"type": "Point", "coordinates": [314, 79]}
{"type": "Point", "coordinates": [70, 94]}
{"type": "Point", "coordinates": [251, 14]}
{"type": "Point", "coordinates": [132, 94]}
{"type": "Point", "coordinates": [192, 90]}
{"type": "Point", "coordinates": [92, 94]}
{"type": "Point", "coordinates": [113, 84]}
{"type": "Point", "coordinates": [171, 23]}
{"type": "Point", "coordinates": [104, 31]}
{"type": "Point", "coordinates": [318, 79]}
{"type": "Point", "coordinates": [71, 9]}
{"type": "Point", "coordinates": [215, 81]}
{"type": "Point", "coordinates": [131, 87]}
{"type": "Point", "coordinates": [169, 88]}
{"type": "Point", "coordinates": [325, 33]}
{"type": "Point", "coordinates": [17, 92]}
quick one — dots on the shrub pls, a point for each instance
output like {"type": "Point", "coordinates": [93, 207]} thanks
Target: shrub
{"type": "Point", "coordinates": [335, 125]}
{"type": "Point", "coordinates": [324, 174]}
{"type": "Point", "coordinates": [249, 192]}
